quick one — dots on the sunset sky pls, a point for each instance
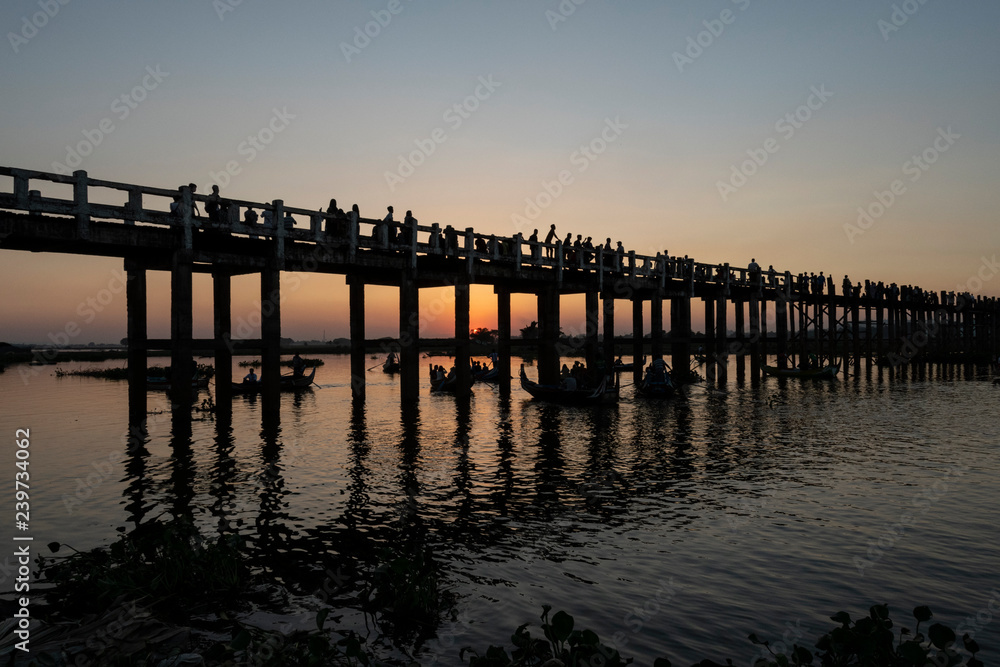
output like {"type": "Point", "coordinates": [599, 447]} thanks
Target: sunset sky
{"type": "Point", "coordinates": [722, 130]}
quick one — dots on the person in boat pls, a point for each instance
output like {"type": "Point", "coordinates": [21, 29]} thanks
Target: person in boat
{"type": "Point", "coordinates": [390, 359]}
{"type": "Point", "coordinates": [251, 377]}
{"type": "Point", "coordinates": [494, 359]}
{"type": "Point", "coordinates": [298, 366]}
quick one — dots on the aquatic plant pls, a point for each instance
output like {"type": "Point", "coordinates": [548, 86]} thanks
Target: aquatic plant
{"type": "Point", "coordinates": [309, 363]}
{"type": "Point", "coordinates": [868, 641]}
{"type": "Point", "coordinates": [169, 564]}
{"type": "Point", "coordinates": [403, 592]}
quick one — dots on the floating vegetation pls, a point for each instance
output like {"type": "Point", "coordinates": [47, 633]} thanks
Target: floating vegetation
{"type": "Point", "coordinates": [103, 373]}
{"type": "Point", "coordinates": [204, 371]}
{"type": "Point", "coordinates": [256, 363]}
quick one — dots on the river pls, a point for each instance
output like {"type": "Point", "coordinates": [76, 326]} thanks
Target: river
{"type": "Point", "coordinates": [671, 528]}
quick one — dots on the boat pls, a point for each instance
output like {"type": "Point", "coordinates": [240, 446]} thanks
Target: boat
{"type": "Point", "coordinates": [825, 372]}
{"type": "Point", "coordinates": [560, 394]}
{"type": "Point", "coordinates": [288, 383]}
{"type": "Point", "coordinates": [657, 382]}
{"type": "Point", "coordinates": [446, 385]}
{"type": "Point", "coordinates": [487, 375]}
{"type": "Point", "coordinates": [390, 366]}
{"type": "Point", "coordinates": [621, 367]}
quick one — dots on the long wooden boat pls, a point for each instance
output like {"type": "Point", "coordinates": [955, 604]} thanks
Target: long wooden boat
{"type": "Point", "coordinates": [826, 372]}
{"type": "Point", "coordinates": [657, 382]}
{"type": "Point", "coordinates": [446, 385]}
{"type": "Point", "coordinates": [556, 394]}
{"type": "Point", "coordinates": [287, 383]}
{"type": "Point", "coordinates": [621, 367]}
{"type": "Point", "coordinates": [487, 375]}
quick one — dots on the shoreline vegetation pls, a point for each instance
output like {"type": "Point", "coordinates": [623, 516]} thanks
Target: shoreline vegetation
{"type": "Point", "coordinates": [522, 347]}
{"type": "Point", "coordinates": [174, 597]}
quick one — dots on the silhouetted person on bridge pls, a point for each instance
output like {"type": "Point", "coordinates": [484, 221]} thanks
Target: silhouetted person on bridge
{"type": "Point", "coordinates": [550, 238]}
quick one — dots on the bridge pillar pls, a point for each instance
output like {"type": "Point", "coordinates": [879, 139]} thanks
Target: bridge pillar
{"type": "Point", "coordinates": [223, 327]}
{"type": "Point", "coordinates": [637, 342]}
{"type": "Point", "coordinates": [182, 364]}
{"type": "Point", "coordinates": [781, 328]}
{"type": "Point", "coordinates": [135, 298]}
{"type": "Point", "coordinates": [270, 337]}
{"type": "Point", "coordinates": [503, 339]}
{"type": "Point", "coordinates": [856, 331]}
{"type": "Point", "coordinates": [680, 335]}
{"type": "Point", "coordinates": [754, 337]}
{"type": "Point", "coordinates": [608, 356]}
{"type": "Point", "coordinates": [409, 338]}
{"type": "Point", "coordinates": [463, 370]}
{"type": "Point", "coordinates": [356, 288]}
{"type": "Point", "coordinates": [656, 326]}
{"type": "Point", "coordinates": [722, 338]}
{"type": "Point", "coordinates": [592, 350]}
{"type": "Point", "coordinates": [708, 346]}
{"type": "Point", "coordinates": [548, 335]}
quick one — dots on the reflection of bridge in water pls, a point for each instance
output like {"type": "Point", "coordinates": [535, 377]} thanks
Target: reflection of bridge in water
{"type": "Point", "coordinates": [155, 229]}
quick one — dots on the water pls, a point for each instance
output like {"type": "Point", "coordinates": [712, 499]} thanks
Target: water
{"type": "Point", "coordinates": [671, 528]}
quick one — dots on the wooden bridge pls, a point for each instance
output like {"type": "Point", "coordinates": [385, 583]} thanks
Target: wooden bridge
{"type": "Point", "coordinates": [156, 229]}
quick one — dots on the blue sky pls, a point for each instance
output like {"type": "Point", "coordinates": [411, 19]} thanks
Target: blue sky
{"type": "Point", "coordinates": [693, 90]}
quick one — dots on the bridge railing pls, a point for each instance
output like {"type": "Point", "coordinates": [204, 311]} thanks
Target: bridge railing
{"type": "Point", "coordinates": [177, 209]}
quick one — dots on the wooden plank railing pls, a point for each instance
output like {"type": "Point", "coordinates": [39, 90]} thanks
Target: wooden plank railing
{"type": "Point", "coordinates": [268, 220]}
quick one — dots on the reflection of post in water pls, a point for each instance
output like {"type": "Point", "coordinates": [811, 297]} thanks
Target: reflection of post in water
{"type": "Point", "coordinates": [462, 478]}
{"type": "Point", "coordinates": [224, 472]}
{"type": "Point", "coordinates": [505, 462]}
{"type": "Point", "coordinates": [182, 475]}
{"type": "Point", "coordinates": [602, 446]}
{"type": "Point", "coordinates": [357, 438]}
{"type": "Point", "coordinates": [137, 481]}
{"type": "Point", "coordinates": [550, 465]}
{"type": "Point", "coordinates": [271, 526]}
{"type": "Point", "coordinates": [409, 464]}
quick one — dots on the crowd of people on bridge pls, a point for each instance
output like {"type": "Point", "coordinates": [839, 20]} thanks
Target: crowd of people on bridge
{"type": "Point", "coordinates": [389, 235]}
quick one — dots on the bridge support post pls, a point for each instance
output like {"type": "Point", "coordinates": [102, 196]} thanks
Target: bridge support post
{"type": "Point", "coordinates": [356, 289]}
{"type": "Point", "coordinates": [503, 339]}
{"type": "Point", "coordinates": [182, 366]}
{"type": "Point", "coordinates": [856, 331]}
{"type": "Point", "coordinates": [656, 326]}
{"type": "Point", "coordinates": [592, 306]}
{"type": "Point", "coordinates": [135, 297]}
{"type": "Point", "coordinates": [722, 338]}
{"type": "Point", "coordinates": [680, 336]}
{"type": "Point", "coordinates": [409, 338]}
{"type": "Point", "coordinates": [708, 347]}
{"type": "Point", "coordinates": [463, 370]}
{"type": "Point", "coordinates": [755, 370]}
{"type": "Point", "coordinates": [608, 356]}
{"type": "Point", "coordinates": [548, 335]}
{"type": "Point", "coordinates": [270, 338]}
{"type": "Point", "coordinates": [223, 326]}
{"type": "Point", "coordinates": [781, 328]}
{"type": "Point", "coordinates": [637, 342]}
